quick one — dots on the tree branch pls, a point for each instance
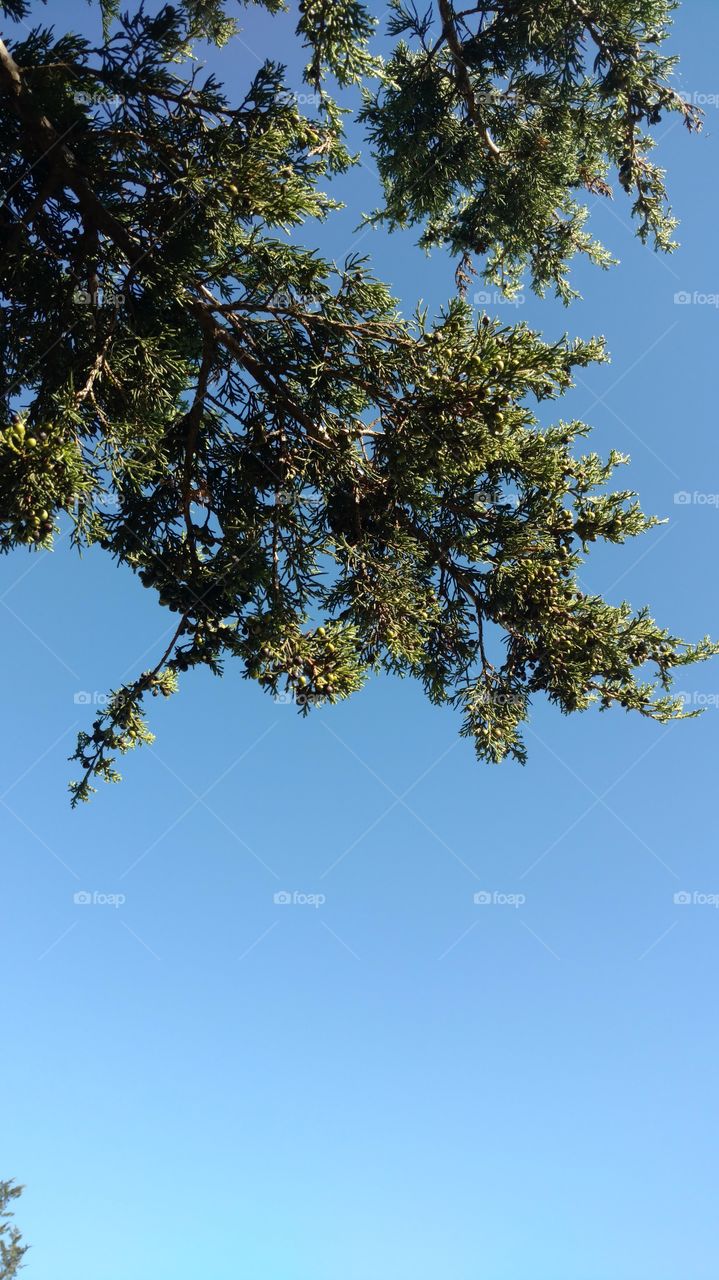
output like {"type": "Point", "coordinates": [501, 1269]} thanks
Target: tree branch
{"type": "Point", "coordinates": [462, 77]}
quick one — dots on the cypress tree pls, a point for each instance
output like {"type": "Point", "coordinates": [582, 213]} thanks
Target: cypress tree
{"type": "Point", "coordinates": [315, 486]}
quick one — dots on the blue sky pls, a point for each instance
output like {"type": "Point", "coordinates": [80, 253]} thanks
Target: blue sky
{"type": "Point", "coordinates": [394, 1082]}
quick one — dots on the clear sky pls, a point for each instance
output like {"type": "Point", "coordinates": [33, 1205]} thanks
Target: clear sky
{"type": "Point", "coordinates": [396, 1082]}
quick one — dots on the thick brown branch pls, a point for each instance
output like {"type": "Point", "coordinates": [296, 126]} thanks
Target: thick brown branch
{"type": "Point", "coordinates": [461, 73]}
{"type": "Point", "coordinates": [204, 313]}
{"type": "Point", "coordinates": [193, 422]}
{"type": "Point", "coordinates": [45, 141]}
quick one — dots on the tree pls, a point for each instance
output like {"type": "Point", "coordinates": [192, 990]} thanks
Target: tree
{"type": "Point", "coordinates": [12, 1251]}
{"type": "Point", "coordinates": [315, 486]}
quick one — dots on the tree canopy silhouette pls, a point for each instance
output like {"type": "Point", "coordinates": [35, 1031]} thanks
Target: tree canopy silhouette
{"type": "Point", "coordinates": [314, 485]}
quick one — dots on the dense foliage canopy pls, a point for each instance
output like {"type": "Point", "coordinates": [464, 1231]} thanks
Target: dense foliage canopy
{"type": "Point", "coordinates": [317, 487]}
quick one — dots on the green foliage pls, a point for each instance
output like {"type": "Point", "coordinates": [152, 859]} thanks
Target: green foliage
{"type": "Point", "coordinates": [337, 32]}
{"type": "Point", "coordinates": [12, 1250]}
{"type": "Point", "coordinates": [120, 728]}
{"type": "Point", "coordinates": [316, 487]}
{"type": "Point", "coordinates": [15, 9]}
{"type": "Point", "coordinates": [492, 124]}
{"type": "Point", "coordinates": [40, 469]}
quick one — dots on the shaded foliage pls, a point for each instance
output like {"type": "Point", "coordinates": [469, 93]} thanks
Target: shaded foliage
{"type": "Point", "coordinates": [316, 487]}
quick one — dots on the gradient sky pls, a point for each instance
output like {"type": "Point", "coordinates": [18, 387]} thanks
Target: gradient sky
{"type": "Point", "coordinates": [397, 1083]}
